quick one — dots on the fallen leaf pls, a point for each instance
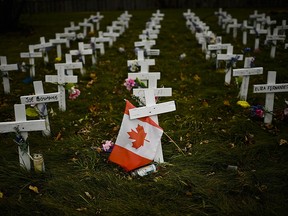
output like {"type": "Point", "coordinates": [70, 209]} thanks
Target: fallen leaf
{"type": "Point", "coordinates": [226, 103]}
{"type": "Point", "coordinates": [196, 77]}
{"type": "Point", "coordinates": [283, 142]}
{"type": "Point", "coordinates": [205, 103]}
{"type": "Point", "coordinates": [33, 188]}
{"type": "Point", "coordinates": [58, 137]}
{"type": "Point", "coordinates": [81, 209]}
{"type": "Point", "coordinates": [204, 142]}
{"type": "Point", "coordinates": [88, 195]}
{"type": "Point", "coordinates": [1, 195]}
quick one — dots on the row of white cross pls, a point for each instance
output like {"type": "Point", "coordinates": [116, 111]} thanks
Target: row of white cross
{"type": "Point", "coordinates": [260, 21]}
{"type": "Point", "coordinates": [270, 88]}
{"type": "Point", "coordinates": [147, 95]}
{"type": "Point", "coordinates": [40, 99]}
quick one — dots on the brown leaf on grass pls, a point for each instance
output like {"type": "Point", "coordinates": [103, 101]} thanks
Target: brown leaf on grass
{"type": "Point", "coordinates": [204, 142]}
{"type": "Point", "coordinates": [88, 195]}
{"type": "Point", "coordinates": [205, 103]}
{"type": "Point", "coordinates": [226, 103]}
{"type": "Point", "coordinates": [58, 137]}
{"type": "Point", "coordinates": [196, 77]}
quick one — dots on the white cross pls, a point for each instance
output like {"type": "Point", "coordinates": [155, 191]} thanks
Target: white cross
{"type": "Point", "coordinates": [94, 47]}
{"type": "Point", "coordinates": [220, 15]}
{"type": "Point", "coordinates": [234, 25]}
{"type": "Point", "coordinates": [22, 126]}
{"type": "Point", "coordinates": [118, 26]}
{"type": "Point", "coordinates": [96, 19]}
{"type": "Point", "coordinates": [257, 31]}
{"type": "Point", "coordinates": [270, 89]}
{"type": "Point", "coordinates": [43, 46]}
{"type": "Point", "coordinates": [231, 59]}
{"type": "Point", "coordinates": [274, 38]}
{"type": "Point", "coordinates": [97, 45]}
{"type": "Point", "coordinates": [110, 33]}
{"type": "Point", "coordinates": [4, 68]}
{"type": "Point", "coordinates": [125, 18]}
{"type": "Point", "coordinates": [246, 72]}
{"type": "Point", "coordinates": [58, 41]}
{"type": "Point", "coordinates": [31, 55]}
{"type": "Point", "coordinates": [218, 47]}
{"type": "Point", "coordinates": [72, 27]}
{"type": "Point", "coordinates": [256, 16]}
{"type": "Point", "coordinates": [244, 29]}
{"type": "Point", "coordinates": [85, 24]}
{"type": "Point", "coordinates": [68, 36]}
{"type": "Point", "coordinates": [142, 62]}
{"type": "Point", "coordinates": [282, 27]}
{"type": "Point", "coordinates": [152, 109]}
{"type": "Point", "coordinates": [269, 23]}
{"type": "Point", "coordinates": [147, 44]}
{"type": "Point", "coordinates": [81, 52]}
{"type": "Point", "coordinates": [102, 39]}
{"type": "Point", "coordinates": [69, 66]}
{"type": "Point", "coordinates": [39, 99]}
{"type": "Point", "coordinates": [61, 79]}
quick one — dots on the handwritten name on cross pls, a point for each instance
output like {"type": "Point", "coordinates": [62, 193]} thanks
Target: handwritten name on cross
{"type": "Point", "coordinates": [31, 55]}
{"type": "Point", "coordinates": [39, 99]}
{"type": "Point", "coordinates": [153, 110]}
{"type": "Point", "coordinates": [43, 47]}
{"type": "Point", "coordinates": [5, 68]}
{"type": "Point", "coordinates": [22, 126]}
{"type": "Point", "coordinates": [61, 79]}
{"type": "Point", "coordinates": [270, 89]}
{"type": "Point", "coordinates": [230, 59]}
{"type": "Point", "coordinates": [273, 40]}
{"type": "Point", "coordinates": [246, 72]}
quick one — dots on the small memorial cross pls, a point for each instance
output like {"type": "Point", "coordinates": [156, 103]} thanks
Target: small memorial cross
{"type": "Point", "coordinates": [43, 47]}
{"type": "Point", "coordinates": [142, 62]}
{"type": "Point", "coordinates": [234, 25]}
{"type": "Point", "coordinates": [31, 55]}
{"type": "Point", "coordinates": [81, 52]}
{"type": "Point", "coordinates": [69, 66]}
{"type": "Point", "coordinates": [102, 39]}
{"type": "Point", "coordinates": [39, 99]}
{"type": "Point", "coordinates": [5, 68]}
{"type": "Point", "coordinates": [257, 31]}
{"type": "Point", "coordinates": [272, 39]}
{"type": "Point", "coordinates": [246, 72]}
{"type": "Point", "coordinates": [231, 60]}
{"type": "Point", "coordinates": [270, 89]}
{"type": "Point", "coordinates": [96, 19]}
{"type": "Point", "coordinates": [85, 24]}
{"type": "Point", "coordinates": [68, 36]}
{"type": "Point", "coordinates": [21, 127]}
{"type": "Point", "coordinates": [244, 27]}
{"type": "Point", "coordinates": [110, 33]}
{"type": "Point", "coordinates": [58, 41]}
{"type": "Point", "coordinates": [61, 80]}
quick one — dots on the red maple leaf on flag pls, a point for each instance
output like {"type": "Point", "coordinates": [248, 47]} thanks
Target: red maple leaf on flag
{"type": "Point", "coordinates": [138, 136]}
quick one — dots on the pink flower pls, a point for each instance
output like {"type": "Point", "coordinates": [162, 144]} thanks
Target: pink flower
{"type": "Point", "coordinates": [129, 83]}
{"type": "Point", "coordinates": [74, 93]}
{"type": "Point", "coordinates": [259, 113]}
{"type": "Point", "coordinates": [107, 146]}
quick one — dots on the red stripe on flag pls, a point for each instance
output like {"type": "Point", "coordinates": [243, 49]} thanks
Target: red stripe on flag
{"type": "Point", "coordinates": [127, 159]}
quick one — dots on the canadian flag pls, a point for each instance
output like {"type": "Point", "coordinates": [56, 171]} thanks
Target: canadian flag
{"type": "Point", "coordinates": [137, 141]}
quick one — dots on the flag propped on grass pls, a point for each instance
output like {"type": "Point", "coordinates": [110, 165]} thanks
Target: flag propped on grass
{"type": "Point", "coordinates": [137, 141]}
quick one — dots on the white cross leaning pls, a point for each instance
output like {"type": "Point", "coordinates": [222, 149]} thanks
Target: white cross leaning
{"type": "Point", "coordinates": [31, 55]}
{"type": "Point", "coordinates": [142, 62]}
{"type": "Point", "coordinates": [61, 79]}
{"type": "Point", "coordinates": [22, 126]}
{"type": "Point", "coordinates": [58, 41]}
{"type": "Point", "coordinates": [274, 38]}
{"type": "Point", "coordinates": [69, 66]}
{"type": "Point", "coordinates": [257, 31]}
{"type": "Point", "coordinates": [42, 47]}
{"type": "Point", "coordinates": [4, 68]}
{"type": "Point", "coordinates": [39, 99]}
{"type": "Point", "coordinates": [246, 72]}
{"type": "Point", "coordinates": [229, 59]}
{"type": "Point", "coordinates": [270, 89]}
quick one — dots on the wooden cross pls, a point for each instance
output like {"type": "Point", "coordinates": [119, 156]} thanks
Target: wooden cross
{"type": "Point", "coordinates": [125, 18]}
{"type": "Point", "coordinates": [97, 45]}
{"type": "Point", "coordinates": [257, 31]}
{"type": "Point", "coordinates": [69, 66]}
{"type": "Point", "coordinates": [273, 39]}
{"type": "Point", "coordinates": [246, 72]}
{"type": "Point", "coordinates": [58, 41]}
{"type": "Point", "coordinates": [142, 62]}
{"type": "Point", "coordinates": [31, 55]}
{"type": "Point", "coordinates": [152, 109]}
{"type": "Point", "coordinates": [96, 19]}
{"type": "Point", "coordinates": [270, 89]}
{"type": "Point", "coordinates": [43, 46]}
{"type": "Point", "coordinates": [147, 44]}
{"type": "Point", "coordinates": [85, 24]}
{"type": "Point", "coordinates": [244, 28]}
{"type": "Point", "coordinates": [72, 27]}
{"type": "Point", "coordinates": [110, 33]}
{"type": "Point", "coordinates": [22, 126]}
{"type": "Point", "coordinates": [102, 39]}
{"type": "Point", "coordinates": [68, 36]}
{"type": "Point", "coordinates": [61, 79]}
{"type": "Point", "coordinates": [256, 16]}
{"type": "Point", "coordinates": [119, 26]}
{"type": "Point", "coordinates": [234, 25]}
{"type": "Point", "coordinates": [218, 47]}
{"type": "Point", "coordinates": [282, 27]}
{"type": "Point", "coordinates": [230, 59]}
{"type": "Point", "coordinates": [4, 68]}
{"type": "Point", "coordinates": [220, 15]}
{"type": "Point", "coordinates": [39, 99]}
{"type": "Point", "coordinates": [81, 52]}
{"type": "Point", "coordinates": [269, 23]}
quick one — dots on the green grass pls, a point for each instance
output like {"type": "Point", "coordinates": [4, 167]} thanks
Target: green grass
{"type": "Point", "coordinates": [81, 181]}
